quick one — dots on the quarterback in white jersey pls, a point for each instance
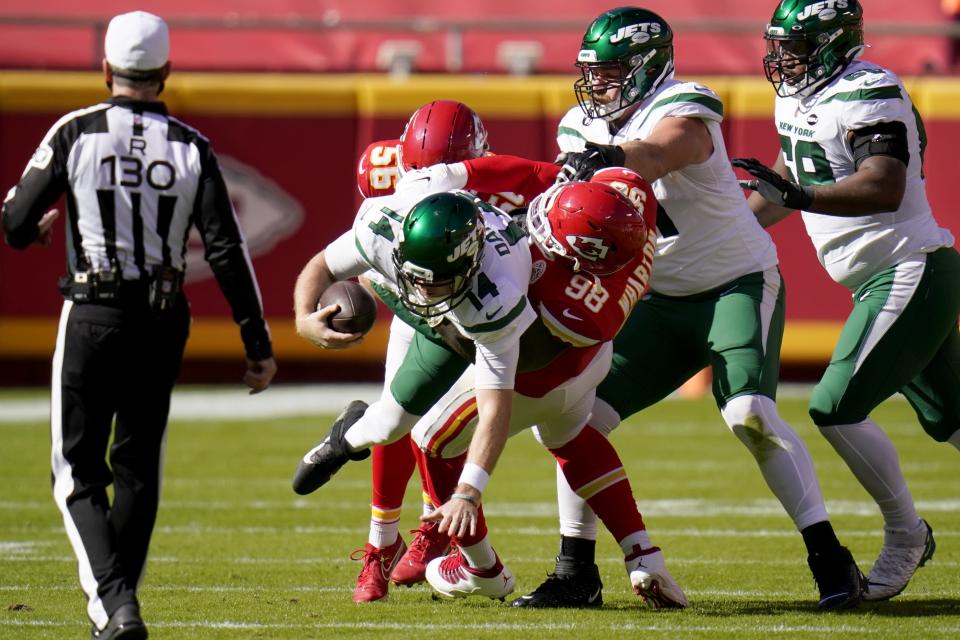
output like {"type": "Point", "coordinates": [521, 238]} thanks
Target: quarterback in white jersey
{"type": "Point", "coordinates": [851, 159]}
{"type": "Point", "coordinates": [716, 296]}
{"type": "Point", "coordinates": [488, 306]}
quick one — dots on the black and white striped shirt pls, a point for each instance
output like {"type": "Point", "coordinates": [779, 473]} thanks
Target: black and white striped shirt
{"type": "Point", "coordinates": [136, 179]}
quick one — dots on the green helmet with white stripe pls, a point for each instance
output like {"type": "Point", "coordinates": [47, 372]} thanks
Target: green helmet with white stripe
{"type": "Point", "coordinates": [625, 55]}
{"type": "Point", "coordinates": [809, 42]}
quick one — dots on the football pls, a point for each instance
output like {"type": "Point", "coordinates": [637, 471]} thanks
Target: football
{"type": "Point", "coordinates": [358, 308]}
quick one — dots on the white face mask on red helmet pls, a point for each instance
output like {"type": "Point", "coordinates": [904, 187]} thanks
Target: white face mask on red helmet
{"type": "Point", "coordinates": [592, 224]}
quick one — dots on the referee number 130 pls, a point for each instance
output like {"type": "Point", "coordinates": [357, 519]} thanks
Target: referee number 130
{"type": "Point", "coordinates": [129, 171]}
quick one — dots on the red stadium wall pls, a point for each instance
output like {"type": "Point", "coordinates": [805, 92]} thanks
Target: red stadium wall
{"type": "Point", "coordinates": [289, 144]}
{"type": "Point", "coordinates": [337, 35]}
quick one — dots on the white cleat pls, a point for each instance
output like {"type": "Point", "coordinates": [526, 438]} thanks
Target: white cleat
{"type": "Point", "coordinates": [651, 580]}
{"type": "Point", "coordinates": [899, 559]}
{"type": "Point", "coordinates": [451, 576]}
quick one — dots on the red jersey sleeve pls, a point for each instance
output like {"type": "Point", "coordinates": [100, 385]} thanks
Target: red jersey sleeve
{"type": "Point", "coordinates": [377, 171]}
{"type": "Point", "coordinates": [495, 174]}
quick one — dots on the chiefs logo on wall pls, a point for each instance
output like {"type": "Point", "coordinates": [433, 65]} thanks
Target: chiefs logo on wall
{"type": "Point", "coordinates": [267, 214]}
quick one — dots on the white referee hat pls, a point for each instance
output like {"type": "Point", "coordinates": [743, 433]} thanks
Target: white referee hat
{"type": "Point", "coordinates": [137, 41]}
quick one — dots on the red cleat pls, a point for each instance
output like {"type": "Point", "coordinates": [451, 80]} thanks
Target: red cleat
{"type": "Point", "coordinates": [377, 565]}
{"type": "Point", "coordinates": [427, 544]}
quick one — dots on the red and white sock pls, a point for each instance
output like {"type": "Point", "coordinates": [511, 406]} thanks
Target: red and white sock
{"type": "Point", "coordinates": [392, 467]}
{"type": "Point", "coordinates": [595, 473]}
{"type": "Point", "coordinates": [421, 458]}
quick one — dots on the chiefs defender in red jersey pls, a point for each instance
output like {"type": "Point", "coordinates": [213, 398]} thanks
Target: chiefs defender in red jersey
{"type": "Point", "coordinates": [440, 131]}
{"type": "Point", "coordinates": [593, 254]}
{"type": "Point", "coordinates": [586, 305]}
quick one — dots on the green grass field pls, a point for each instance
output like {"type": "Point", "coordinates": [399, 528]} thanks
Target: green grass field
{"type": "Point", "coordinates": [237, 555]}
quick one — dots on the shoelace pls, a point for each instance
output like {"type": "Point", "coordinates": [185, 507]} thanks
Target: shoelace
{"type": "Point", "coordinates": [453, 562]}
{"type": "Point", "coordinates": [423, 538]}
{"type": "Point", "coordinates": [370, 559]}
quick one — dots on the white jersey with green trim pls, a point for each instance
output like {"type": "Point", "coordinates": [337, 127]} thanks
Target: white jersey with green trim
{"type": "Point", "coordinates": [815, 139]}
{"type": "Point", "coordinates": [495, 312]}
{"type": "Point", "coordinates": [706, 233]}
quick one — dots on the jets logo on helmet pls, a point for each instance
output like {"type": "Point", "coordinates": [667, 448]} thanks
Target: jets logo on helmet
{"type": "Point", "coordinates": [639, 33]}
{"type": "Point", "coordinates": [469, 247]}
{"type": "Point", "coordinates": [809, 43]}
{"type": "Point", "coordinates": [823, 10]}
{"type": "Point", "coordinates": [625, 55]}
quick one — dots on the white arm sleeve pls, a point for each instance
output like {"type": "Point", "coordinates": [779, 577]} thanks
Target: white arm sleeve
{"type": "Point", "coordinates": [344, 259]}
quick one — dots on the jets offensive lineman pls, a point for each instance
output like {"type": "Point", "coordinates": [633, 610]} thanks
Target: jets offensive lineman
{"type": "Point", "coordinates": [852, 162]}
{"type": "Point", "coordinates": [716, 294]}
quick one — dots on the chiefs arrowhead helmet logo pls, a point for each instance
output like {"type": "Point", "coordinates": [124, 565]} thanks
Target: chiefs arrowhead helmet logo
{"type": "Point", "coordinates": [588, 248]}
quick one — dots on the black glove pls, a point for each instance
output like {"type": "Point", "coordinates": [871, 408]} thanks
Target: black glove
{"type": "Point", "coordinates": [519, 218]}
{"type": "Point", "coordinates": [774, 187]}
{"type": "Point", "coordinates": [582, 165]}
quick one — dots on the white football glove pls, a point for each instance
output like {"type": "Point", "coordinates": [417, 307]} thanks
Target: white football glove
{"type": "Point", "coordinates": [435, 179]}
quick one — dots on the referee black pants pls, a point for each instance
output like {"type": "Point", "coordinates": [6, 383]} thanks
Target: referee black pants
{"type": "Point", "coordinates": [112, 362]}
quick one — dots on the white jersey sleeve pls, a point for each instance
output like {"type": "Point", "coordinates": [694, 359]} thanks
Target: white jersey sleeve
{"type": "Point", "coordinates": [815, 137]}
{"type": "Point", "coordinates": [344, 259]}
{"type": "Point", "coordinates": [706, 234]}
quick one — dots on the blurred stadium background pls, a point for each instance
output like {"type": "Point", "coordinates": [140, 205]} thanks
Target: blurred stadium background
{"type": "Point", "coordinates": [290, 92]}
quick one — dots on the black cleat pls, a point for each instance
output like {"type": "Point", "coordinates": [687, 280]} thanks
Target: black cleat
{"type": "Point", "coordinates": [124, 624]}
{"type": "Point", "coordinates": [320, 463]}
{"type": "Point", "coordinates": [572, 585]}
{"type": "Point", "coordinates": [840, 581]}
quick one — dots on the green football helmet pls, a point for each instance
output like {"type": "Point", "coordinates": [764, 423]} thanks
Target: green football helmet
{"type": "Point", "coordinates": [625, 55]}
{"type": "Point", "coordinates": [820, 37]}
{"type": "Point", "coordinates": [440, 250]}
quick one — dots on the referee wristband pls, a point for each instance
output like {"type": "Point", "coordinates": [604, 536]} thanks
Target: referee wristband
{"type": "Point", "coordinates": [475, 476]}
{"type": "Point", "coordinates": [466, 496]}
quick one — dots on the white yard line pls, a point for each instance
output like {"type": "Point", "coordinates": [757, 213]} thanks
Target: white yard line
{"type": "Point", "coordinates": [671, 508]}
{"type": "Point", "coordinates": [234, 403]}
{"type": "Point", "coordinates": [670, 629]}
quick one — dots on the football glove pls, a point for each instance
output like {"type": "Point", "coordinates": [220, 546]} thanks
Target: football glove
{"type": "Point", "coordinates": [772, 186]}
{"type": "Point", "coordinates": [519, 217]}
{"type": "Point", "coordinates": [582, 165]}
{"type": "Point", "coordinates": [433, 179]}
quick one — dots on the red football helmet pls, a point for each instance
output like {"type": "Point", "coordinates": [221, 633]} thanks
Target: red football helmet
{"type": "Point", "coordinates": [592, 224]}
{"type": "Point", "coordinates": [442, 131]}
{"type": "Point", "coordinates": [636, 189]}
{"type": "Point", "coordinates": [377, 171]}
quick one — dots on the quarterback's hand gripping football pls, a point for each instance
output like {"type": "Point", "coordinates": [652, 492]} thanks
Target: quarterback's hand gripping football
{"type": "Point", "coordinates": [315, 328]}
{"type": "Point", "coordinates": [772, 186]}
{"type": "Point", "coordinates": [582, 165]}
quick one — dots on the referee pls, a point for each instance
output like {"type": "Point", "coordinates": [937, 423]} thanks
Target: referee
{"type": "Point", "coordinates": [135, 180]}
